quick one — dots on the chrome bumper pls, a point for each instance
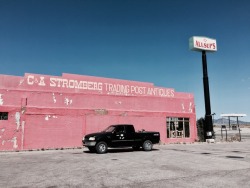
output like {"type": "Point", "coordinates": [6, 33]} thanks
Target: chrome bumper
{"type": "Point", "coordinates": [88, 143]}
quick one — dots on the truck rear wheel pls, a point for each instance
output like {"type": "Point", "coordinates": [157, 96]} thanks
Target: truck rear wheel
{"type": "Point", "coordinates": [101, 147]}
{"type": "Point", "coordinates": [147, 145]}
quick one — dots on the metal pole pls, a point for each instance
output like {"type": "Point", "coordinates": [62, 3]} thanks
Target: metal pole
{"type": "Point", "coordinates": [238, 127]}
{"type": "Point", "coordinates": [208, 117]}
{"type": "Point", "coordinates": [213, 117]}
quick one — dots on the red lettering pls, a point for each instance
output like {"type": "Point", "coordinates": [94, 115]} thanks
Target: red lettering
{"type": "Point", "coordinates": [205, 45]}
{"type": "Point", "coordinates": [214, 46]}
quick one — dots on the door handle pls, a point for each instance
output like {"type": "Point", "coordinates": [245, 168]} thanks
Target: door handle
{"type": "Point", "coordinates": [120, 135]}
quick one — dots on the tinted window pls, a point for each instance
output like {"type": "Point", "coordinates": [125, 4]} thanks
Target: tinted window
{"type": "Point", "coordinates": [109, 129]}
{"type": "Point", "coordinates": [119, 129]}
{"type": "Point", "coordinates": [130, 129]}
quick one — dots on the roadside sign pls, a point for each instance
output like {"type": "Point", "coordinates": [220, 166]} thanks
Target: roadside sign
{"type": "Point", "coordinates": [198, 43]}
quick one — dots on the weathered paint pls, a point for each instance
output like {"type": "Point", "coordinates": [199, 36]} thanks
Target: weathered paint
{"type": "Point", "coordinates": [1, 99]}
{"type": "Point", "coordinates": [56, 112]}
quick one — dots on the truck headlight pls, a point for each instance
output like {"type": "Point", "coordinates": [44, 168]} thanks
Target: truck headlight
{"type": "Point", "coordinates": [91, 138]}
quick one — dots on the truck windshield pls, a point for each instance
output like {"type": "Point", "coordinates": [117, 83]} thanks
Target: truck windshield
{"type": "Point", "coordinates": [109, 129]}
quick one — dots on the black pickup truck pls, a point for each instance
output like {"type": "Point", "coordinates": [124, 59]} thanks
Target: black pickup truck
{"type": "Point", "coordinates": [116, 136]}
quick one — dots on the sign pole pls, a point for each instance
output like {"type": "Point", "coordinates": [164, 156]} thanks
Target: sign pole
{"type": "Point", "coordinates": [204, 44]}
{"type": "Point", "coordinates": [208, 128]}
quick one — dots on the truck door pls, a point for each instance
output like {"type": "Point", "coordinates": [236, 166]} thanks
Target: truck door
{"type": "Point", "coordinates": [118, 137]}
{"type": "Point", "coordinates": [130, 135]}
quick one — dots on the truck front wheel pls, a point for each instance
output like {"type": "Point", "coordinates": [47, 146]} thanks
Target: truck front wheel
{"type": "Point", "coordinates": [101, 147]}
{"type": "Point", "coordinates": [147, 145]}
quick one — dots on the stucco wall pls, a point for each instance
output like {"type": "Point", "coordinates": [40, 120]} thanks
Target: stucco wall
{"type": "Point", "coordinates": [43, 114]}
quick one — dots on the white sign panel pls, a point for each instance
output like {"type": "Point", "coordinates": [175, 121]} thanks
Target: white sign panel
{"type": "Point", "coordinates": [202, 44]}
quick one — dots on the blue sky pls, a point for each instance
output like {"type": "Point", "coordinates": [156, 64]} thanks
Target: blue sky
{"type": "Point", "coordinates": [141, 40]}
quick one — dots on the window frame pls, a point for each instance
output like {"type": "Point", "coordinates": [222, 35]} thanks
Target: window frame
{"type": "Point", "coordinates": [178, 127]}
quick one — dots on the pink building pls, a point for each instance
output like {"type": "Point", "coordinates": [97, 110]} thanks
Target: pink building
{"type": "Point", "coordinates": [42, 111]}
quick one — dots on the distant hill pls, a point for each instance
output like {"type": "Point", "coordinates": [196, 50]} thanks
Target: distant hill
{"type": "Point", "coordinates": [225, 121]}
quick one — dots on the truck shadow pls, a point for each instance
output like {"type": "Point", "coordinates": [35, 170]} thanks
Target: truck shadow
{"type": "Point", "coordinates": [121, 150]}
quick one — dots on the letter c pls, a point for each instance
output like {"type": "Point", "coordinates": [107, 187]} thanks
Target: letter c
{"type": "Point", "coordinates": [30, 80]}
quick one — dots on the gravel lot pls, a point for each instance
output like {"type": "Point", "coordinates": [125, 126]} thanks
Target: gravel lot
{"type": "Point", "coordinates": [218, 164]}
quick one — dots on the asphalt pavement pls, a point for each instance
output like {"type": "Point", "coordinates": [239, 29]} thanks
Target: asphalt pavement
{"type": "Point", "coordinates": [220, 164]}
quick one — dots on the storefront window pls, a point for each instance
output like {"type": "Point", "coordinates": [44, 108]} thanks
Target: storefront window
{"type": "Point", "coordinates": [4, 115]}
{"type": "Point", "coordinates": [178, 127]}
